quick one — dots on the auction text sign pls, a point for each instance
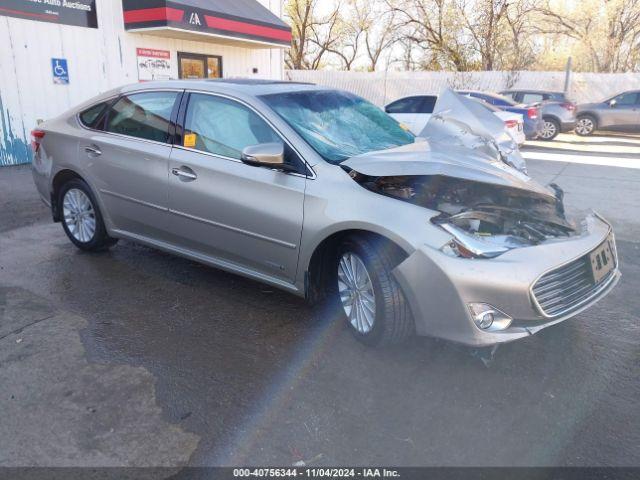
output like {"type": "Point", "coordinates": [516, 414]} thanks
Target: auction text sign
{"type": "Point", "coordinates": [80, 13]}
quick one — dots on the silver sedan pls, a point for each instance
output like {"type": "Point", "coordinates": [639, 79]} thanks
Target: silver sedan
{"type": "Point", "coordinates": [322, 194]}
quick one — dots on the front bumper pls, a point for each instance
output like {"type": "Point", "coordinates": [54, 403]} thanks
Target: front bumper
{"type": "Point", "coordinates": [439, 288]}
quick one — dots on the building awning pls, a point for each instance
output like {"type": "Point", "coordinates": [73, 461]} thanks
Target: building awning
{"type": "Point", "coordinates": [222, 21]}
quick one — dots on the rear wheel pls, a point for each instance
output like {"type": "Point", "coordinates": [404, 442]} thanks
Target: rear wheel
{"type": "Point", "coordinates": [585, 125]}
{"type": "Point", "coordinates": [373, 304]}
{"type": "Point", "coordinates": [81, 218]}
{"type": "Point", "coordinates": [550, 129]}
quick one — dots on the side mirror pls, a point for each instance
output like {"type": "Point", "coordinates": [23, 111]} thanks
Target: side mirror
{"type": "Point", "coordinates": [270, 155]}
{"type": "Point", "coordinates": [612, 103]}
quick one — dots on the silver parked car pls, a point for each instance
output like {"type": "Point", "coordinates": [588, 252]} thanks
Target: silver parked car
{"type": "Point", "coordinates": [620, 113]}
{"type": "Point", "coordinates": [321, 193]}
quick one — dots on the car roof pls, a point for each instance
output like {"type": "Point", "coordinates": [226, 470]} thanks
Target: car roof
{"type": "Point", "coordinates": [529, 90]}
{"type": "Point", "coordinates": [244, 86]}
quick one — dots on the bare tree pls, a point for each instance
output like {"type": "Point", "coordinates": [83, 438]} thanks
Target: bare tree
{"type": "Point", "coordinates": [312, 35]}
{"type": "Point", "coordinates": [608, 31]}
{"type": "Point", "coordinates": [381, 33]}
{"type": "Point", "coordinates": [351, 28]}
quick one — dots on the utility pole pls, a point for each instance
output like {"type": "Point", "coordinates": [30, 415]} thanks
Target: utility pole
{"type": "Point", "coordinates": [567, 76]}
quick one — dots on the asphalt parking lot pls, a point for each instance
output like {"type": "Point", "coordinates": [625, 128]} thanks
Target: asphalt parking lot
{"type": "Point", "coordinates": [137, 357]}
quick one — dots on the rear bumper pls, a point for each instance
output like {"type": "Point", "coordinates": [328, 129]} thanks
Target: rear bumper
{"type": "Point", "coordinates": [440, 288]}
{"type": "Point", "coordinates": [567, 126]}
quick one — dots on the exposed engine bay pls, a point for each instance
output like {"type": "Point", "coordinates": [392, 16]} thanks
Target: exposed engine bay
{"type": "Point", "coordinates": [515, 216]}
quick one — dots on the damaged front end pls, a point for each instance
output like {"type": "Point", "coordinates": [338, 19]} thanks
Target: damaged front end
{"type": "Point", "coordinates": [467, 168]}
{"type": "Point", "coordinates": [484, 219]}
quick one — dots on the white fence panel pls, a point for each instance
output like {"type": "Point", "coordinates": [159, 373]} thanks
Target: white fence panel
{"type": "Point", "coordinates": [381, 87]}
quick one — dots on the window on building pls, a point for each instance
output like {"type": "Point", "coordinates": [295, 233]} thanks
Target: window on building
{"type": "Point", "coordinates": [193, 65]}
{"type": "Point", "coordinates": [143, 115]}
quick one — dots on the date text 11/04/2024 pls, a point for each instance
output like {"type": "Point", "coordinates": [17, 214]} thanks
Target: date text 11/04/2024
{"type": "Point", "coordinates": [316, 472]}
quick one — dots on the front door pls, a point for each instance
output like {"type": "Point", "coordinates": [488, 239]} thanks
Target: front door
{"type": "Point", "coordinates": [624, 113]}
{"type": "Point", "coordinates": [194, 66]}
{"type": "Point", "coordinates": [246, 216]}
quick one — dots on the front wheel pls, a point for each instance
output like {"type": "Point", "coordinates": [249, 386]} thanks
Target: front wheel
{"type": "Point", "coordinates": [373, 304]}
{"type": "Point", "coordinates": [81, 218]}
{"type": "Point", "coordinates": [550, 129]}
{"type": "Point", "coordinates": [585, 126]}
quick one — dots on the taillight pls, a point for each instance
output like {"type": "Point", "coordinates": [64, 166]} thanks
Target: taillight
{"type": "Point", "coordinates": [36, 139]}
{"type": "Point", "coordinates": [511, 123]}
{"type": "Point", "coordinates": [568, 106]}
{"type": "Point", "coordinates": [532, 113]}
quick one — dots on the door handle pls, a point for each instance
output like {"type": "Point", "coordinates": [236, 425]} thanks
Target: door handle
{"type": "Point", "coordinates": [185, 173]}
{"type": "Point", "coordinates": [92, 150]}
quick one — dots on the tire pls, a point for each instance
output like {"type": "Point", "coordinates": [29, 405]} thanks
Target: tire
{"type": "Point", "coordinates": [585, 125]}
{"type": "Point", "coordinates": [550, 129]}
{"type": "Point", "coordinates": [79, 211]}
{"type": "Point", "coordinates": [392, 322]}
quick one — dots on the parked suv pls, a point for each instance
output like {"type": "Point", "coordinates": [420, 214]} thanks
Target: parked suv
{"type": "Point", "coordinates": [322, 194]}
{"type": "Point", "coordinates": [620, 113]}
{"type": "Point", "coordinates": [531, 115]}
{"type": "Point", "coordinates": [558, 113]}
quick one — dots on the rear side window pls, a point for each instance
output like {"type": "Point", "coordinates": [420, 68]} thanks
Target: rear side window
{"type": "Point", "coordinates": [428, 103]}
{"type": "Point", "coordinates": [90, 116]}
{"type": "Point", "coordinates": [143, 115]}
{"type": "Point", "coordinates": [532, 97]}
{"type": "Point", "coordinates": [405, 105]}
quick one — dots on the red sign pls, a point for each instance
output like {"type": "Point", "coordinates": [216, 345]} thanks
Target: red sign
{"type": "Point", "coordinates": [150, 52]}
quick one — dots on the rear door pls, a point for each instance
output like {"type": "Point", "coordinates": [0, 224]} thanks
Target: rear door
{"type": "Point", "coordinates": [244, 216]}
{"type": "Point", "coordinates": [129, 159]}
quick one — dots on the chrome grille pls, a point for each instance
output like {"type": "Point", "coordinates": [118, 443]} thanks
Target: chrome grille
{"type": "Point", "coordinates": [567, 288]}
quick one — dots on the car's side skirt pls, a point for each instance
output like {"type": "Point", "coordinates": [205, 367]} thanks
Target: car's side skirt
{"type": "Point", "coordinates": [210, 260]}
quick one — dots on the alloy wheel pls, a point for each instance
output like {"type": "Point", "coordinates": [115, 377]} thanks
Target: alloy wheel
{"type": "Point", "coordinates": [548, 130]}
{"type": "Point", "coordinates": [356, 292]}
{"type": "Point", "coordinates": [79, 215]}
{"type": "Point", "coordinates": [584, 126]}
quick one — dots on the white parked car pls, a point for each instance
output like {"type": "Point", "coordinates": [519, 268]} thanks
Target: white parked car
{"type": "Point", "coordinates": [414, 112]}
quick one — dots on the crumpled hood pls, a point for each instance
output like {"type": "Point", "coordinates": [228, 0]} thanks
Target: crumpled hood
{"type": "Point", "coordinates": [430, 159]}
{"type": "Point", "coordinates": [463, 121]}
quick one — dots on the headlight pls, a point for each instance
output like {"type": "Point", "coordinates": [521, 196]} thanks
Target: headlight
{"type": "Point", "coordinates": [467, 245]}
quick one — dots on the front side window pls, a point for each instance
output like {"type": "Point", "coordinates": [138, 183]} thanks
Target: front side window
{"type": "Point", "coordinates": [143, 115]}
{"type": "Point", "coordinates": [628, 98]}
{"type": "Point", "coordinates": [224, 127]}
{"type": "Point", "coordinates": [338, 125]}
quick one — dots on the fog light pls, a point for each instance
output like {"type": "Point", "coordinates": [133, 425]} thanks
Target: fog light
{"type": "Point", "coordinates": [487, 317]}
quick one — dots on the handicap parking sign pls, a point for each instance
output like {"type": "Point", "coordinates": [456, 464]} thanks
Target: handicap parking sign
{"type": "Point", "coordinates": [60, 71]}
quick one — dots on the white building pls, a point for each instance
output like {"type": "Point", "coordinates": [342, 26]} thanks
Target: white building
{"type": "Point", "coordinates": [55, 54]}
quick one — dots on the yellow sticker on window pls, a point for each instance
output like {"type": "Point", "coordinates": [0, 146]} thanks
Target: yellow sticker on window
{"type": "Point", "coordinates": [190, 140]}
